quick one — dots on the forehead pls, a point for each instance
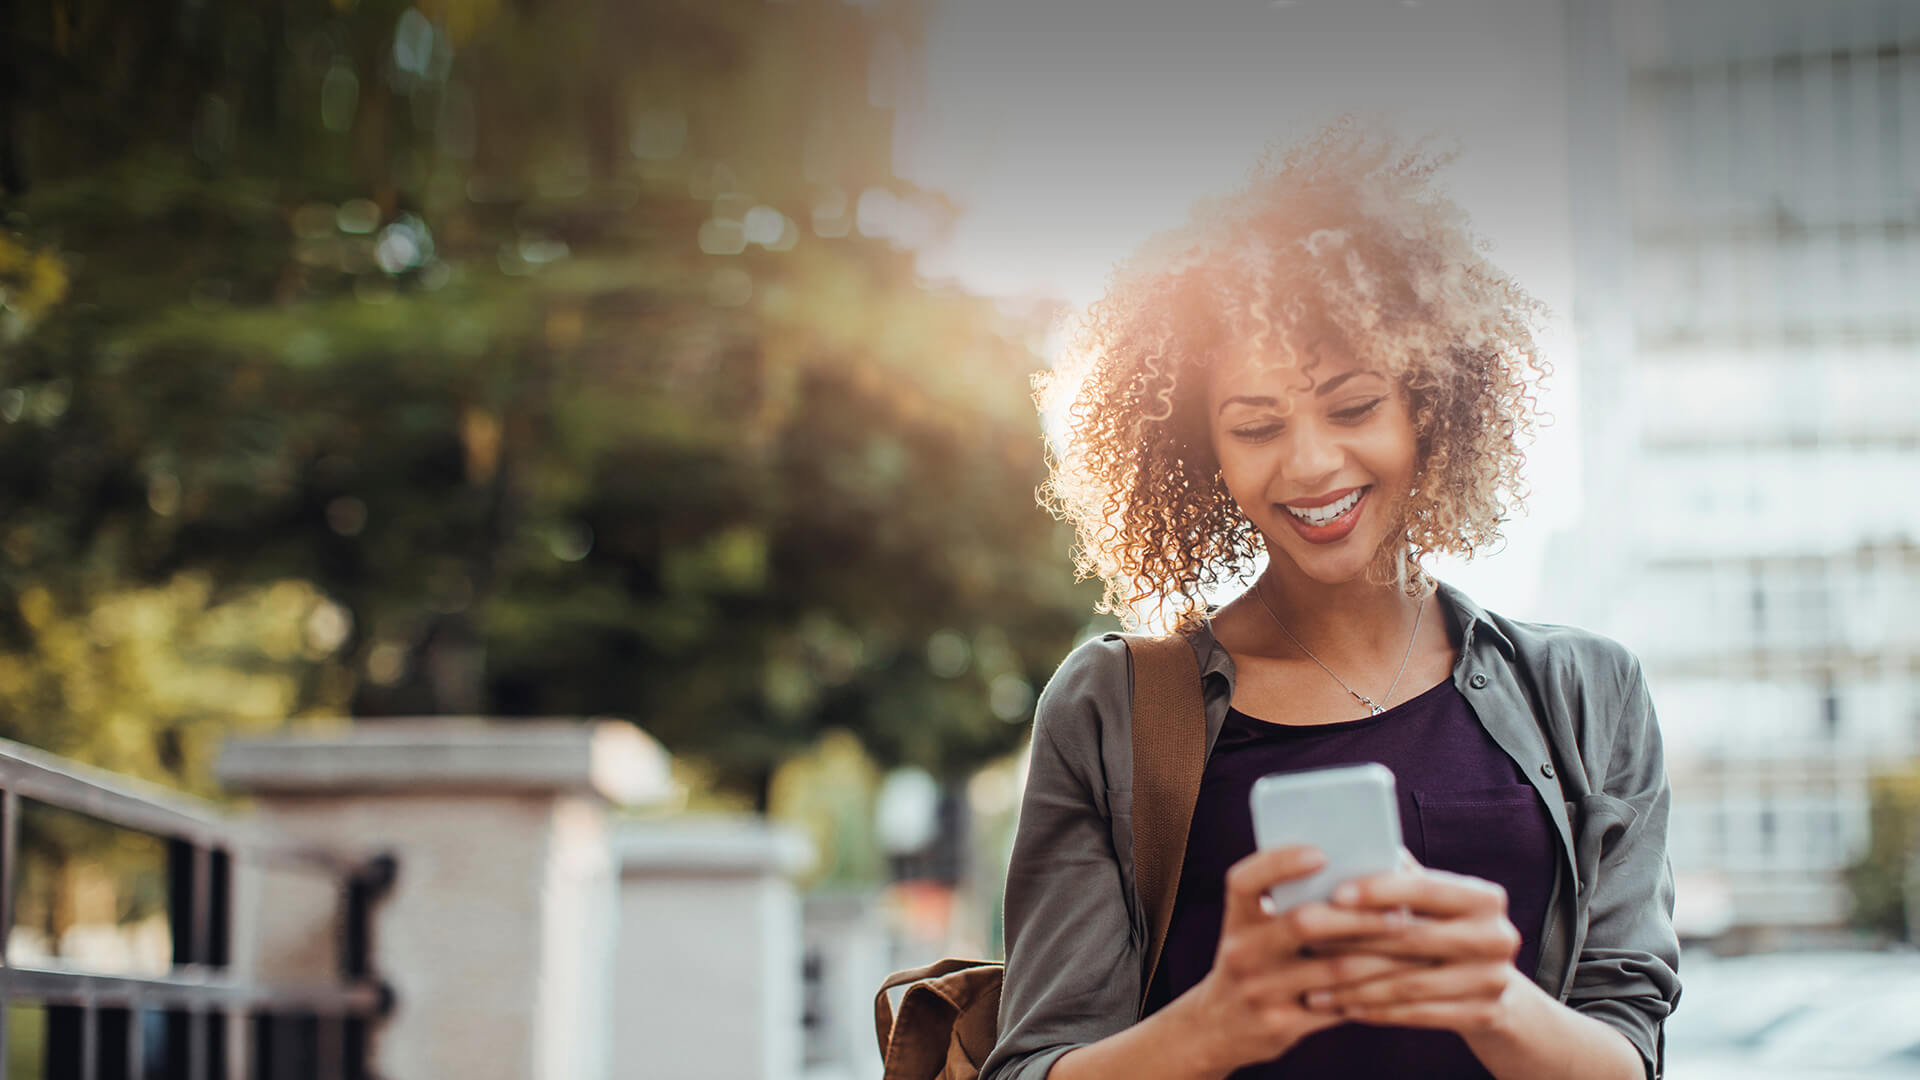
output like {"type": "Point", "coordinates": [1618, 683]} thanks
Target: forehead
{"type": "Point", "coordinates": [1268, 376]}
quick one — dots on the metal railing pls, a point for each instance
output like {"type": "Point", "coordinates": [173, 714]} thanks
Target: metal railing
{"type": "Point", "coordinates": [199, 1020]}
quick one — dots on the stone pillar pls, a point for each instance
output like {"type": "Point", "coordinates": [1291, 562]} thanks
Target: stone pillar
{"type": "Point", "coordinates": [497, 934]}
{"type": "Point", "coordinates": [709, 969]}
{"type": "Point", "coordinates": [850, 943]}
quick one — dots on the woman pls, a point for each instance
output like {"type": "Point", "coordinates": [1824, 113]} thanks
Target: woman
{"type": "Point", "coordinates": [1322, 369]}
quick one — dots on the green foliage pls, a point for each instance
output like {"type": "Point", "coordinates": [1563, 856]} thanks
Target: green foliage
{"type": "Point", "coordinates": [541, 340]}
{"type": "Point", "coordinates": [26, 1038]}
{"type": "Point", "coordinates": [828, 792]}
{"type": "Point", "coordinates": [1886, 880]}
{"type": "Point", "coordinates": [31, 283]}
{"type": "Point", "coordinates": [146, 681]}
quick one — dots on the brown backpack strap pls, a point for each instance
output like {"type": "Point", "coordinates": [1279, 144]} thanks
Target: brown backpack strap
{"type": "Point", "coordinates": [883, 1005]}
{"type": "Point", "coordinates": [1169, 755]}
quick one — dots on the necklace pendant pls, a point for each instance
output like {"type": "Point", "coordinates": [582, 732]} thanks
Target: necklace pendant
{"type": "Point", "coordinates": [1377, 710]}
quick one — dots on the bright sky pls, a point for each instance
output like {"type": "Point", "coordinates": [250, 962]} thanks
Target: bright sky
{"type": "Point", "coordinates": [1070, 130]}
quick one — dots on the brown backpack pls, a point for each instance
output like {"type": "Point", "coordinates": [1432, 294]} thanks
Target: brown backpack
{"type": "Point", "coordinates": [949, 1014]}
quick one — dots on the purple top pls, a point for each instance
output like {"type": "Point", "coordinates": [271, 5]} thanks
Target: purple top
{"type": "Point", "coordinates": [1464, 806]}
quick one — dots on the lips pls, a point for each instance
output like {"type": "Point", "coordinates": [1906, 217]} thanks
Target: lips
{"type": "Point", "coordinates": [1324, 511]}
{"type": "Point", "coordinates": [1331, 519]}
{"type": "Point", "coordinates": [1321, 500]}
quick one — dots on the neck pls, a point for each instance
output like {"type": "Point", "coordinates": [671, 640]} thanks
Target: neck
{"type": "Point", "coordinates": [1356, 619]}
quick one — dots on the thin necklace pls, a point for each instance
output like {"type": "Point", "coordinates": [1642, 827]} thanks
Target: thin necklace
{"type": "Point", "coordinates": [1358, 696]}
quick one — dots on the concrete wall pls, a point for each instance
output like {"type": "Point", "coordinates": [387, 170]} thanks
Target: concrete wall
{"type": "Point", "coordinates": [847, 937]}
{"type": "Point", "coordinates": [495, 934]}
{"type": "Point", "coordinates": [708, 976]}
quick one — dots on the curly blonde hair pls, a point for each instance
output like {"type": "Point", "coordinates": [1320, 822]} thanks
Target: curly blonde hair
{"type": "Point", "coordinates": [1345, 235]}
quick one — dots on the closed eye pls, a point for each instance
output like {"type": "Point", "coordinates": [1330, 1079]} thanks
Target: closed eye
{"type": "Point", "coordinates": [1358, 412]}
{"type": "Point", "coordinates": [1259, 433]}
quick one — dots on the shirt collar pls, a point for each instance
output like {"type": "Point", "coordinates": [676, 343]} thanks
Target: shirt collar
{"type": "Point", "coordinates": [1469, 619]}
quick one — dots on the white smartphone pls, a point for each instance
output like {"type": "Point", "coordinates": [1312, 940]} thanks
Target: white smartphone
{"type": "Point", "coordinates": [1349, 812]}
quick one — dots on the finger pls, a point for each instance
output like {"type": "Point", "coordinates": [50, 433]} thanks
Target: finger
{"type": "Point", "coordinates": [1341, 971]}
{"type": "Point", "coordinates": [1298, 1024]}
{"type": "Point", "coordinates": [1305, 926]}
{"type": "Point", "coordinates": [1370, 945]}
{"type": "Point", "coordinates": [1250, 878]}
{"type": "Point", "coordinates": [1453, 982]}
{"type": "Point", "coordinates": [1460, 1016]}
{"type": "Point", "coordinates": [1390, 921]}
{"type": "Point", "coordinates": [1425, 892]}
{"type": "Point", "coordinates": [1482, 939]}
{"type": "Point", "coordinates": [1280, 941]}
{"type": "Point", "coordinates": [1285, 989]}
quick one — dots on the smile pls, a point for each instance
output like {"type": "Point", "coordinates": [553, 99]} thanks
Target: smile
{"type": "Point", "coordinates": [1331, 512]}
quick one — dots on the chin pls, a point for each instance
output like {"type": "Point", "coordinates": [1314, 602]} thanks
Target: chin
{"type": "Point", "coordinates": [1327, 566]}
{"type": "Point", "coordinates": [1342, 574]}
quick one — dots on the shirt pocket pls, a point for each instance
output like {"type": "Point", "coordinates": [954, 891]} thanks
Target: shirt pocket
{"type": "Point", "coordinates": [1499, 834]}
{"type": "Point", "coordinates": [1480, 831]}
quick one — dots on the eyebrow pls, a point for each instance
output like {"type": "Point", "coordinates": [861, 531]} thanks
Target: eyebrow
{"type": "Point", "coordinates": [1322, 390]}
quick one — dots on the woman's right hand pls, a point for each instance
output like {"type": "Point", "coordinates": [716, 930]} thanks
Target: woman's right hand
{"type": "Point", "coordinates": [1249, 1007]}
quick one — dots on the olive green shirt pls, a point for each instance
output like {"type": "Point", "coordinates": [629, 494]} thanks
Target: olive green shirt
{"type": "Point", "coordinates": [1568, 706]}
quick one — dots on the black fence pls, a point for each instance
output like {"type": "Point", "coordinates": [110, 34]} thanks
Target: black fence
{"type": "Point", "coordinates": [198, 1019]}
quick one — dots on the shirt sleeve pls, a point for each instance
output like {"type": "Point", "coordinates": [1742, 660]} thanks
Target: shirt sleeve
{"type": "Point", "coordinates": [1627, 971]}
{"type": "Point", "coordinates": [1073, 956]}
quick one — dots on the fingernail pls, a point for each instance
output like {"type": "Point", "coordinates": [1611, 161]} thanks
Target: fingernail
{"type": "Point", "coordinates": [1346, 894]}
{"type": "Point", "coordinates": [1319, 999]}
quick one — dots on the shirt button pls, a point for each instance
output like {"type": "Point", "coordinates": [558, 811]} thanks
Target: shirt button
{"type": "Point", "coordinates": [1546, 770]}
{"type": "Point", "coordinates": [1479, 680]}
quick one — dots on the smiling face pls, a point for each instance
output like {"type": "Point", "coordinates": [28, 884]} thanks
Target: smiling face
{"type": "Point", "coordinates": [1321, 460]}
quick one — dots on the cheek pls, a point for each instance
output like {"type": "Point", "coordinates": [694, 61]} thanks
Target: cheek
{"type": "Point", "coordinates": [1399, 446]}
{"type": "Point", "coordinates": [1406, 454]}
{"type": "Point", "coordinates": [1239, 471]}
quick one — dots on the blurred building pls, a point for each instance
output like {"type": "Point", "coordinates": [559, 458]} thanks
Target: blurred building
{"type": "Point", "coordinates": [1747, 225]}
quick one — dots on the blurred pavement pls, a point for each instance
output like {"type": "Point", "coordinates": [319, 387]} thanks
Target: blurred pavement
{"type": "Point", "coordinates": [1808, 1016]}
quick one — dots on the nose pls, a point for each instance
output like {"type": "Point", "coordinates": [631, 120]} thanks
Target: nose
{"type": "Point", "coordinates": [1313, 456]}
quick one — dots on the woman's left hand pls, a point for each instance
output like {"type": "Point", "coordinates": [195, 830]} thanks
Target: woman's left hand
{"type": "Point", "coordinates": [1459, 926]}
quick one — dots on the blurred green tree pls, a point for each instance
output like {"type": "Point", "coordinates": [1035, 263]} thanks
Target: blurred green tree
{"type": "Point", "coordinates": [1885, 881]}
{"type": "Point", "coordinates": [574, 350]}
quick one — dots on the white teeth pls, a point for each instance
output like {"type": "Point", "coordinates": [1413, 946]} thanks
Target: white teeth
{"type": "Point", "coordinates": [1321, 515]}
